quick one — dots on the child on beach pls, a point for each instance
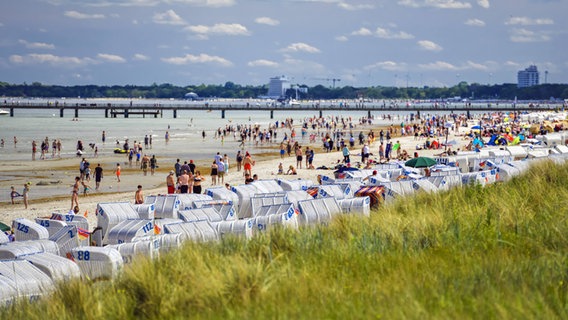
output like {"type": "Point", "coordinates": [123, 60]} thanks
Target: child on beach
{"type": "Point", "coordinates": [86, 187]}
{"type": "Point", "coordinates": [14, 194]}
{"type": "Point", "coordinates": [25, 194]}
{"type": "Point", "coordinates": [280, 168]}
{"type": "Point", "coordinates": [117, 171]}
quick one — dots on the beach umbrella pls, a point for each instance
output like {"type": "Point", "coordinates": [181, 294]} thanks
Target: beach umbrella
{"type": "Point", "coordinates": [477, 127]}
{"type": "Point", "coordinates": [420, 162]}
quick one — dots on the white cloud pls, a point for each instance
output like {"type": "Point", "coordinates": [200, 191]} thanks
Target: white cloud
{"type": "Point", "coordinates": [388, 34]}
{"type": "Point", "coordinates": [201, 58]}
{"type": "Point", "coordinates": [341, 38]}
{"type": "Point", "coordinates": [382, 33]}
{"type": "Point", "coordinates": [301, 47]}
{"type": "Point", "coordinates": [354, 7]}
{"type": "Point", "coordinates": [111, 58]}
{"type": "Point", "coordinates": [51, 59]}
{"type": "Point", "coordinates": [429, 45]}
{"type": "Point", "coordinates": [388, 65]}
{"type": "Point", "coordinates": [438, 66]}
{"type": "Point", "coordinates": [262, 63]}
{"type": "Point", "coordinates": [525, 21]}
{"type": "Point", "coordinates": [362, 32]}
{"type": "Point", "coordinates": [483, 3]}
{"type": "Point", "coordinates": [475, 23]}
{"type": "Point", "coordinates": [233, 29]}
{"type": "Point", "coordinates": [168, 17]}
{"type": "Point", "coordinates": [524, 35]}
{"type": "Point", "coordinates": [140, 57]}
{"type": "Point", "coordinates": [267, 21]}
{"type": "Point", "coordinates": [37, 45]}
{"type": "Point", "coordinates": [147, 3]}
{"type": "Point", "coordinates": [78, 15]}
{"type": "Point", "coordinates": [476, 66]}
{"type": "Point", "coordinates": [441, 4]}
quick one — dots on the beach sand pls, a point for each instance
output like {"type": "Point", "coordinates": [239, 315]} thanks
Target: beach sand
{"type": "Point", "coordinates": [57, 176]}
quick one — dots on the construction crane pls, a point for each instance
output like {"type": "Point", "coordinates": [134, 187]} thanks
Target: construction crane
{"type": "Point", "coordinates": [333, 80]}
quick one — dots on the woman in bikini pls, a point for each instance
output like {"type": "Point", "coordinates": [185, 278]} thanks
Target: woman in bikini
{"type": "Point", "coordinates": [197, 180]}
{"type": "Point", "coordinates": [75, 193]}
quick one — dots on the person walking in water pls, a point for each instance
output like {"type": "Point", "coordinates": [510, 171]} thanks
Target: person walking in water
{"type": "Point", "coordinates": [117, 171]}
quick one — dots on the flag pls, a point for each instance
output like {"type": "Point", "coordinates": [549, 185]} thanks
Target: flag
{"type": "Point", "coordinates": [157, 229]}
{"type": "Point", "coordinates": [83, 234]}
{"type": "Point", "coordinates": [86, 214]}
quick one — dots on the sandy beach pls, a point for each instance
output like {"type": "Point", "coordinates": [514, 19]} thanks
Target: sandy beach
{"type": "Point", "coordinates": [59, 174]}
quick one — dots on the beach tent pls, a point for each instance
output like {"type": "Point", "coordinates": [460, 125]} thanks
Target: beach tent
{"type": "Point", "coordinates": [222, 193]}
{"type": "Point", "coordinates": [57, 268]}
{"type": "Point", "coordinates": [279, 214]}
{"type": "Point", "coordinates": [8, 292]}
{"type": "Point", "coordinates": [166, 206]}
{"type": "Point", "coordinates": [349, 187]}
{"type": "Point", "coordinates": [72, 219]}
{"type": "Point", "coordinates": [517, 152]}
{"type": "Point", "coordinates": [359, 206]}
{"type": "Point", "coordinates": [201, 231]}
{"type": "Point", "coordinates": [98, 262]}
{"type": "Point", "coordinates": [506, 172]}
{"type": "Point", "coordinates": [126, 230]}
{"type": "Point", "coordinates": [267, 186]}
{"type": "Point", "coordinates": [4, 238]}
{"type": "Point", "coordinates": [224, 208]}
{"type": "Point", "coordinates": [260, 200]}
{"type": "Point", "coordinates": [245, 192]}
{"type": "Point", "coordinates": [13, 250]}
{"type": "Point", "coordinates": [187, 199]}
{"type": "Point", "coordinates": [66, 238]}
{"type": "Point", "coordinates": [493, 153]}
{"type": "Point", "coordinates": [111, 213]}
{"type": "Point", "coordinates": [170, 241]}
{"type": "Point", "coordinates": [28, 281]}
{"type": "Point", "coordinates": [240, 228]}
{"type": "Point", "coordinates": [331, 190]}
{"type": "Point", "coordinates": [446, 182]}
{"type": "Point", "coordinates": [522, 165]}
{"type": "Point", "coordinates": [424, 185]}
{"type": "Point", "coordinates": [294, 197]}
{"type": "Point", "coordinates": [298, 184]}
{"type": "Point", "coordinates": [25, 229]}
{"type": "Point", "coordinates": [376, 180]}
{"type": "Point", "coordinates": [52, 226]}
{"type": "Point", "coordinates": [554, 139]}
{"type": "Point", "coordinates": [130, 250]}
{"type": "Point", "coordinates": [145, 211]}
{"type": "Point", "coordinates": [160, 223]}
{"type": "Point", "coordinates": [375, 194]}
{"type": "Point", "coordinates": [539, 153]}
{"type": "Point", "coordinates": [201, 214]}
{"type": "Point", "coordinates": [561, 149]}
{"type": "Point", "coordinates": [318, 211]}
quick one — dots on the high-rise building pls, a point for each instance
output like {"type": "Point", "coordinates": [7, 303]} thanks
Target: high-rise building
{"type": "Point", "coordinates": [527, 77]}
{"type": "Point", "coordinates": [277, 87]}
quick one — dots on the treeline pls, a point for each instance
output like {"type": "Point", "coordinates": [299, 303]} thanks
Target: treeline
{"type": "Point", "coordinates": [232, 90]}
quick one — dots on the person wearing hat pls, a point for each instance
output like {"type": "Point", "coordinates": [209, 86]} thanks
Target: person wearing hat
{"type": "Point", "coordinates": [171, 182]}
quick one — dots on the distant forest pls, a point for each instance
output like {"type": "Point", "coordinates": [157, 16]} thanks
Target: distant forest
{"type": "Point", "coordinates": [232, 90]}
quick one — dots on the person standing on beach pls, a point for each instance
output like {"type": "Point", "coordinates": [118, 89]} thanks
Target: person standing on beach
{"type": "Point", "coordinates": [139, 196]}
{"type": "Point", "coordinates": [103, 138]}
{"type": "Point", "coordinates": [15, 141]}
{"type": "Point", "coordinates": [145, 164]}
{"type": "Point", "coordinates": [171, 183]}
{"type": "Point", "coordinates": [226, 162]}
{"type": "Point", "coordinates": [183, 181]}
{"type": "Point", "coordinates": [299, 157]}
{"type": "Point", "coordinates": [34, 149]}
{"type": "Point", "coordinates": [25, 194]}
{"type": "Point", "coordinates": [98, 176]}
{"type": "Point", "coordinates": [197, 180]}
{"type": "Point", "coordinates": [248, 162]}
{"type": "Point", "coordinates": [214, 170]}
{"type": "Point", "coordinates": [177, 168]}
{"type": "Point", "coordinates": [117, 172]}
{"type": "Point", "coordinates": [75, 193]}
{"type": "Point", "coordinates": [239, 159]}
{"type": "Point", "coordinates": [191, 167]}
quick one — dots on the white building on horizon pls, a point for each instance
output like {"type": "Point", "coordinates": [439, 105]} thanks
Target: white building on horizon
{"type": "Point", "coordinates": [527, 77]}
{"type": "Point", "coordinates": [277, 87]}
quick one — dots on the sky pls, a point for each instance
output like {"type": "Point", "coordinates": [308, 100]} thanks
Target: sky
{"type": "Point", "coordinates": [358, 43]}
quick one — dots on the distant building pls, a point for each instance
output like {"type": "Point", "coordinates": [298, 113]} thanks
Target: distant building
{"type": "Point", "coordinates": [277, 87]}
{"type": "Point", "coordinates": [527, 77]}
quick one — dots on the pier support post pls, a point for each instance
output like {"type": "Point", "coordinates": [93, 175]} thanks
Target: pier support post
{"type": "Point", "coordinates": [126, 113]}
{"type": "Point", "coordinates": [11, 112]}
{"type": "Point", "coordinates": [223, 114]}
{"type": "Point", "coordinates": [369, 114]}
{"type": "Point", "coordinates": [61, 112]}
{"type": "Point", "coordinates": [271, 114]}
{"type": "Point", "coordinates": [76, 112]}
{"type": "Point", "coordinates": [106, 112]}
{"type": "Point", "coordinates": [321, 113]}
{"type": "Point", "coordinates": [175, 113]}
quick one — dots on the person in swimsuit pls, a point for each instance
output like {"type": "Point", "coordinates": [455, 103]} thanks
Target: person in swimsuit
{"type": "Point", "coordinates": [139, 196]}
{"type": "Point", "coordinates": [171, 183]}
{"type": "Point", "coordinates": [117, 171]}
{"type": "Point", "coordinates": [214, 172]}
{"type": "Point", "coordinates": [183, 181]}
{"type": "Point", "coordinates": [75, 193]}
{"type": "Point", "coordinates": [197, 180]}
{"type": "Point", "coordinates": [247, 164]}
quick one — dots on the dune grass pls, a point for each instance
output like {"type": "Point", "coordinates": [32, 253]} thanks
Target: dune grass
{"type": "Point", "coordinates": [499, 252]}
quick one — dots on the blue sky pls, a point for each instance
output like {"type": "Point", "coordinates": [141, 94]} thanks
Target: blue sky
{"type": "Point", "coordinates": [362, 42]}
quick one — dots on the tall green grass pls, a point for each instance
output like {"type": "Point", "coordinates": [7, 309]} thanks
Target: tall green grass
{"type": "Point", "coordinates": [499, 252]}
